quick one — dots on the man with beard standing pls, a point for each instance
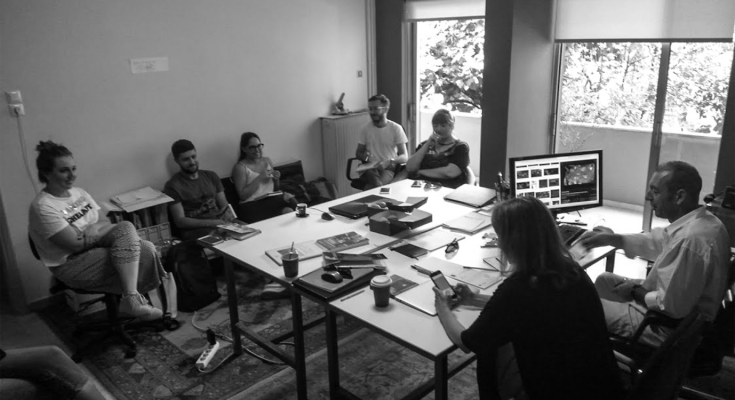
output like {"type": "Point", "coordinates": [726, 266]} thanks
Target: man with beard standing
{"type": "Point", "coordinates": [382, 141]}
{"type": "Point", "coordinates": [199, 198]}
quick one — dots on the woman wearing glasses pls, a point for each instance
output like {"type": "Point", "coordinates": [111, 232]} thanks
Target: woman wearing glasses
{"type": "Point", "coordinates": [547, 309]}
{"type": "Point", "coordinates": [443, 158]}
{"type": "Point", "coordinates": [256, 181]}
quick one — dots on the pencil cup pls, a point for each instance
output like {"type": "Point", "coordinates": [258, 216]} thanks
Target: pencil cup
{"type": "Point", "coordinates": [290, 264]}
{"type": "Point", "coordinates": [381, 289]}
{"type": "Point", "coordinates": [301, 210]}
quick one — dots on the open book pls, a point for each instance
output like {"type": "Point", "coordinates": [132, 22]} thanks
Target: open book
{"type": "Point", "coordinates": [271, 194]}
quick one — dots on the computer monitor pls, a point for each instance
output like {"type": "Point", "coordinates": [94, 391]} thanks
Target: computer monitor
{"type": "Point", "coordinates": [564, 182]}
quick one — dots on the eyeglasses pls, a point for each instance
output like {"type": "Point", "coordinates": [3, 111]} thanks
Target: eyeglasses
{"type": "Point", "coordinates": [452, 247]}
{"type": "Point", "coordinates": [376, 108]}
{"type": "Point", "coordinates": [257, 146]}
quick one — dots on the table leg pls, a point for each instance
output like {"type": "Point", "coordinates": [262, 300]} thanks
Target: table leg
{"type": "Point", "coordinates": [332, 354]}
{"type": "Point", "coordinates": [232, 303]}
{"type": "Point", "coordinates": [440, 378]}
{"type": "Point", "coordinates": [299, 350]}
{"type": "Point", "coordinates": [610, 262]}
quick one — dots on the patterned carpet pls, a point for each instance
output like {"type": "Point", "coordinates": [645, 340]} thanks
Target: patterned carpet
{"type": "Point", "coordinates": [164, 365]}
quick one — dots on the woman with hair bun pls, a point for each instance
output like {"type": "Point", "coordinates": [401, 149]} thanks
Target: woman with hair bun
{"type": "Point", "coordinates": [443, 158]}
{"type": "Point", "coordinates": [80, 250]}
{"type": "Point", "coordinates": [544, 321]}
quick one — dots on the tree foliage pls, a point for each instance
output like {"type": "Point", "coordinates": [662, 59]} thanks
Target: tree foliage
{"type": "Point", "coordinates": [450, 64]}
{"type": "Point", "coordinates": [615, 84]}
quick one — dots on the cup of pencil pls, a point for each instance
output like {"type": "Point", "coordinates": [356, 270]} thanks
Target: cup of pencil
{"type": "Point", "coordinates": [290, 262]}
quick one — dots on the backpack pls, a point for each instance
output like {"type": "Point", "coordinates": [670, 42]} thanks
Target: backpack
{"type": "Point", "coordinates": [321, 190]}
{"type": "Point", "coordinates": [196, 286]}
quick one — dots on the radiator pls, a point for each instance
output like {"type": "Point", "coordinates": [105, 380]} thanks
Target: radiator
{"type": "Point", "coordinates": [339, 142]}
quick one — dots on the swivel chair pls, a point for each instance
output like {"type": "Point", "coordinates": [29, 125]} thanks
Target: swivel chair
{"type": "Point", "coordinates": [113, 327]}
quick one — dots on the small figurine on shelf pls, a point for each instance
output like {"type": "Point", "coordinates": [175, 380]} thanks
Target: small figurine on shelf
{"type": "Point", "coordinates": [502, 187]}
{"type": "Point", "coordinates": [339, 107]}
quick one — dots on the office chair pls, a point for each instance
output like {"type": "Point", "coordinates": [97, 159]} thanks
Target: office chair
{"type": "Point", "coordinates": [718, 340]}
{"type": "Point", "coordinates": [113, 327]}
{"type": "Point", "coordinates": [661, 375]}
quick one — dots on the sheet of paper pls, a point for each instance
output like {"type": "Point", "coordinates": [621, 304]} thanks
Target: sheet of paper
{"type": "Point", "coordinates": [476, 277]}
{"type": "Point", "coordinates": [471, 222]}
{"type": "Point", "coordinates": [434, 239]}
{"type": "Point", "coordinates": [578, 251]}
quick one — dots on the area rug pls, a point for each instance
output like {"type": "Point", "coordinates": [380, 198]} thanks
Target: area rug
{"type": "Point", "coordinates": [164, 366]}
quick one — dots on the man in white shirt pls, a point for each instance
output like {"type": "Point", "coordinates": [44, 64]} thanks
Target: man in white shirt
{"type": "Point", "coordinates": [382, 141]}
{"type": "Point", "coordinates": [691, 258]}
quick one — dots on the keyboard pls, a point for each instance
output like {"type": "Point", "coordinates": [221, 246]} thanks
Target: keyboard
{"type": "Point", "coordinates": [570, 233]}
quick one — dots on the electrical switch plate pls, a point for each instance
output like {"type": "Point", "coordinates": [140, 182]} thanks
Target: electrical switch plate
{"type": "Point", "coordinates": [16, 110]}
{"type": "Point", "coordinates": [14, 97]}
{"type": "Point", "coordinates": [359, 74]}
{"type": "Point", "coordinates": [143, 65]}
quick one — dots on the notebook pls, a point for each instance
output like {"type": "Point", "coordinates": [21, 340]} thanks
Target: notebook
{"type": "Point", "coordinates": [357, 208]}
{"type": "Point", "coordinates": [475, 196]}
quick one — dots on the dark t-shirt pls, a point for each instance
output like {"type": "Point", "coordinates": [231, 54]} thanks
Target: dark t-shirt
{"type": "Point", "coordinates": [559, 336]}
{"type": "Point", "coordinates": [459, 155]}
{"type": "Point", "coordinates": [197, 196]}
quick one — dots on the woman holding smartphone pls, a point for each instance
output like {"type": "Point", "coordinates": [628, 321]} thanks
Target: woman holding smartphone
{"type": "Point", "coordinates": [443, 158]}
{"type": "Point", "coordinates": [546, 316]}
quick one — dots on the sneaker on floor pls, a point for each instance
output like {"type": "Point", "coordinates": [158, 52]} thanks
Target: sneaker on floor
{"type": "Point", "coordinates": [135, 305]}
{"type": "Point", "coordinates": [272, 291]}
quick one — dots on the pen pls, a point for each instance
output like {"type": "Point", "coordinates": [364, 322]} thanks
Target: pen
{"type": "Point", "coordinates": [484, 269]}
{"type": "Point", "coordinates": [352, 295]}
{"type": "Point", "coordinates": [421, 270]}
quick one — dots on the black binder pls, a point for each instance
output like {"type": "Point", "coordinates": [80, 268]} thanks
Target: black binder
{"type": "Point", "coordinates": [356, 208]}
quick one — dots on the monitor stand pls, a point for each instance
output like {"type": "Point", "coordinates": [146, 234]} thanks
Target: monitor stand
{"type": "Point", "coordinates": [566, 218]}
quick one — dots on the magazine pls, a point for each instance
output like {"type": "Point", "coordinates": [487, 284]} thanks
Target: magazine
{"type": "Point", "coordinates": [343, 241]}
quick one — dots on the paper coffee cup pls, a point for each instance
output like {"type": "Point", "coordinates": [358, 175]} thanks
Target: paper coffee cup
{"type": "Point", "coordinates": [380, 286]}
{"type": "Point", "coordinates": [301, 209]}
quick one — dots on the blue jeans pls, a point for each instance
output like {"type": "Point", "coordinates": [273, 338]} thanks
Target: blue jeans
{"type": "Point", "coordinates": [46, 369]}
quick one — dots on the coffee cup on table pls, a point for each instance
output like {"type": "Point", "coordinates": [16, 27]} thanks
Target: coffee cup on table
{"type": "Point", "coordinates": [380, 286]}
{"type": "Point", "coordinates": [301, 210]}
{"type": "Point", "coordinates": [290, 264]}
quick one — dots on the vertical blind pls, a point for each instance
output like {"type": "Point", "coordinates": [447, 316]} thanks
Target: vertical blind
{"type": "Point", "coordinates": [421, 10]}
{"type": "Point", "coordinates": [654, 20]}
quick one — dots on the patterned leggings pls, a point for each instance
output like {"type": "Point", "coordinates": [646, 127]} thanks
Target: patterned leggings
{"type": "Point", "coordinates": [96, 268]}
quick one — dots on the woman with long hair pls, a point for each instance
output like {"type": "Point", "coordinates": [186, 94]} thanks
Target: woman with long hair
{"type": "Point", "coordinates": [256, 180]}
{"type": "Point", "coordinates": [83, 251]}
{"type": "Point", "coordinates": [443, 158]}
{"type": "Point", "coordinates": [546, 316]}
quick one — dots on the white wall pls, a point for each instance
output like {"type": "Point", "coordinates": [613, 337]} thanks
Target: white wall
{"type": "Point", "coordinates": [268, 66]}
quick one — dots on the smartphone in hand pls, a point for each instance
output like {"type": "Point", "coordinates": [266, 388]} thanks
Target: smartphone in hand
{"type": "Point", "coordinates": [441, 282]}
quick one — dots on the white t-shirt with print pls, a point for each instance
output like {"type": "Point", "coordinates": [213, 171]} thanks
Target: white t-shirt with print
{"type": "Point", "coordinates": [49, 215]}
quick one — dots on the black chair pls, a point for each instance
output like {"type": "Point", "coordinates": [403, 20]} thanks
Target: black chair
{"type": "Point", "coordinates": [661, 375]}
{"type": "Point", "coordinates": [718, 340]}
{"type": "Point", "coordinates": [113, 327]}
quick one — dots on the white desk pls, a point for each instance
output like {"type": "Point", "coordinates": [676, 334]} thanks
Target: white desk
{"type": "Point", "coordinates": [407, 326]}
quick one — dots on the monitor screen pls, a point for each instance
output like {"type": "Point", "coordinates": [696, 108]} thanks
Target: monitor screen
{"type": "Point", "coordinates": [564, 182]}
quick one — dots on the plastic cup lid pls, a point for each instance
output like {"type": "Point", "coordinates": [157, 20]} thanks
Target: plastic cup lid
{"type": "Point", "coordinates": [290, 256]}
{"type": "Point", "coordinates": [381, 281]}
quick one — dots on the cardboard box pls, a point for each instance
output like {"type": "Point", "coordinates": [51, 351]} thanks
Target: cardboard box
{"type": "Point", "coordinates": [84, 304]}
{"type": "Point", "coordinates": [392, 222]}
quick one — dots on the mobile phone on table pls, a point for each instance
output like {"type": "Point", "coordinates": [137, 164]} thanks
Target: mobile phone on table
{"type": "Point", "coordinates": [441, 282]}
{"type": "Point", "coordinates": [416, 184]}
{"type": "Point", "coordinates": [384, 190]}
